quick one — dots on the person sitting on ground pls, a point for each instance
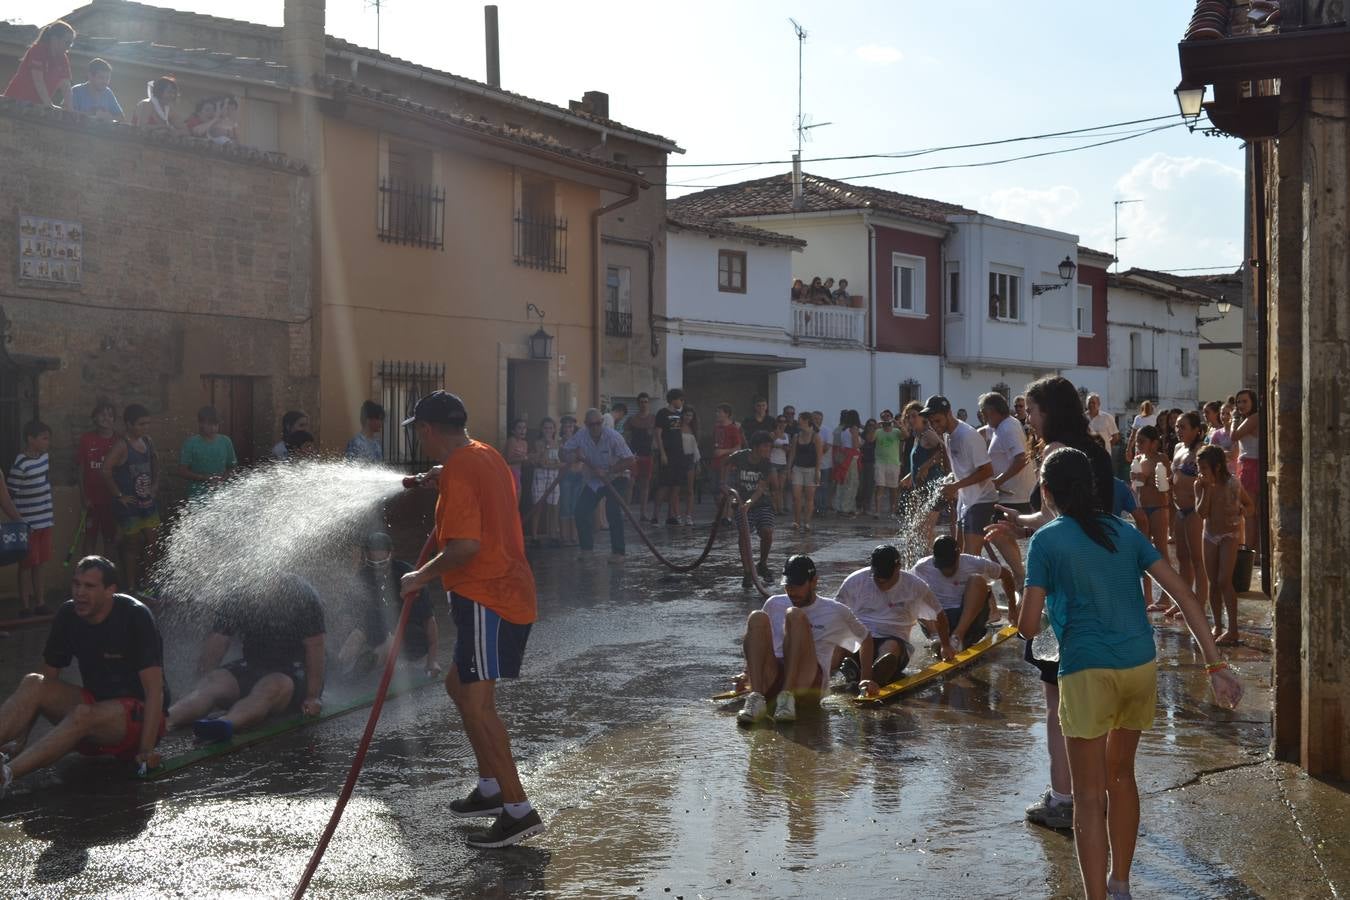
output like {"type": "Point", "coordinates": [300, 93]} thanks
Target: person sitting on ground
{"type": "Point", "coordinates": [367, 647]}
{"type": "Point", "coordinates": [889, 600]}
{"type": "Point", "coordinates": [43, 76]}
{"type": "Point", "coordinates": [94, 97]}
{"type": "Point", "coordinates": [301, 445]}
{"type": "Point", "coordinates": [207, 456]}
{"type": "Point", "coordinates": [366, 446]}
{"type": "Point", "coordinates": [293, 420]}
{"type": "Point", "coordinates": [961, 583]}
{"type": "Point", "coordinates": [280, 627]}
{"type": "Point", "coordinates": [794, 642]}
{"type": "Point", "coordinates": [841, 296]}
{"type": "Point", "coordinates": [156, 110]}
{"type": "Point", "coordinates": [119, 709]}
{"type": "Point", "coordinates": [750, 472]}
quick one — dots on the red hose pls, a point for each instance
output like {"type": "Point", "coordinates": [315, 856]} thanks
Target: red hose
{"type": "Point", "coordinates": [364, 746]}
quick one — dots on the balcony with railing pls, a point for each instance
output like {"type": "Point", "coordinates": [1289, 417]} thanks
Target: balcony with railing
{"type": "Point", "coordinates": [618, 323]}
{"type": "Point", "coordinates": [829, 324]}
{"type": "Point", "coordinates": [541, 241]}
{"type": "Point", "coordinates": [1143, 385]}
{"type": "Point", "coordinates": [411, 214]}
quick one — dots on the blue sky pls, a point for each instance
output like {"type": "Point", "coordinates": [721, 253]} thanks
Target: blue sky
{"type": "Point", "coordinates": [721, 79]}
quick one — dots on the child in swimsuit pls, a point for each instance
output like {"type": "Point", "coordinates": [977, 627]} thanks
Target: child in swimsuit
{"type": "Point", "coordinates": [1222, 502]}
{"type": "Point", "coordinates": [1153, 501]}
{"type": "Point", "coordinates": [1186, 528]}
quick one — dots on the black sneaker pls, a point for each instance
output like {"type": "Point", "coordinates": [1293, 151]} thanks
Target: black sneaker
{"type": "Point", "coordinates": [849, 669]}
{"type": "Point", "coordinates": [476, 805]}
{"type": "Point", "coordinates": [508, 830]}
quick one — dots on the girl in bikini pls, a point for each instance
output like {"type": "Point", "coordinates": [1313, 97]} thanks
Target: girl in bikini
{"type": "Point", "coordinates": [1222, 504]}
{"type": "Point", "coordinates": [1153, 500]}
{"type": "Point", "coordinates": [1187, 526]}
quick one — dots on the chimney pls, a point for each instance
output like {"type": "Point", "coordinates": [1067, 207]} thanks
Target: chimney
{"type": "Point", "coordinates": [798, 201]}
{"type": "Point", "coordinates": [303, 40]}
{"type": "Point", "coordinates": [494, 60]}
{"type": "Point", "coordinates": [596, 103]}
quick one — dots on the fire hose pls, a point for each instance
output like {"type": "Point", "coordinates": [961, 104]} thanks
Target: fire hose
{"type": "Point", "coordinates": [396, 641]}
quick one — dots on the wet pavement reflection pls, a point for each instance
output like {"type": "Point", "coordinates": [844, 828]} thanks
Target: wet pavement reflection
{"type": "Point", "coordinates": [650, 788]}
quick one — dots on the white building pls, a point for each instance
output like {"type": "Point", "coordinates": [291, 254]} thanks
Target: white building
{"type": "Point", "coordinates": [1221, 337]}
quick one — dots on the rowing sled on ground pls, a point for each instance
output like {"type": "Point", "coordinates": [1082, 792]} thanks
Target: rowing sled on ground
{"type": "Point", "coordinates": [176, 763]}
{"type": "Point", "coordinates": [934, 672]}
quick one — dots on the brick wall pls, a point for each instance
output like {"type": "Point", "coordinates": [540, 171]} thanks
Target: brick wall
{"type": "Point", "coordinates": [196, 263]}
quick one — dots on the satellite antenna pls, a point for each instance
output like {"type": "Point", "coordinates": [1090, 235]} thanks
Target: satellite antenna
{"type": "Point", "coordinates": [1115, 250]}
{"type": "Point", "coordinates": [378, 5]}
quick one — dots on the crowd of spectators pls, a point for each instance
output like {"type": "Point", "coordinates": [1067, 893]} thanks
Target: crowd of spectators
{"type": "Point", "coordinates": [44, 78]}
{"type": "Point", "coordinates": [822, 292]}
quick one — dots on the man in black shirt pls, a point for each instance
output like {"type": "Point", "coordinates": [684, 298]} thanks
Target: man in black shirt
{"type": "Point", "coordinates": [367, 647]}
{"type": "Point", "coordinates": [674, 470]}
{"type": "Point", "coordinates": [760, 421]}
{"type": "Point", "coordinates": [119, 711]}
{"type": "Point", "coordinates": [281, 667]}
{"type": "Point", "coordinates": [750, 473]}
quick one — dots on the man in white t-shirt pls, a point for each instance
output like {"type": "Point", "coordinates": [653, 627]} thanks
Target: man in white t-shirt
{"type": "Point", "coordinates": [794, 643]}
{"type": "Point", "coordinates": [1014, 476]}
{"type": "Point", "coordinates": [1100, 423]}
{"type": "Point", "coordinates": [960, 582]}
{"type": "Point", "coordinates": [969, 457]}
{"type": "Point", "coordinates": [889, 600]}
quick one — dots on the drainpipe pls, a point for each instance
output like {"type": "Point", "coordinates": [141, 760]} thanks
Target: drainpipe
{"type": "Point", "coordinates": [942, 310]}
{"type": "Point", "coordinates": [597, 300]}
{"type": "Point", "coordinates": [1262, 287]}
{"type": "Point", "coordinates": [872, 312]}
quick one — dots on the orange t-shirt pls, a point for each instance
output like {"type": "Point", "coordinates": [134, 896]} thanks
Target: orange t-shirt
{"type": "Point", "coordinates": [478, 502]}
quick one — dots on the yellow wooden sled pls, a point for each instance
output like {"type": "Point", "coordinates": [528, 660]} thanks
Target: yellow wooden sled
{"type": "Point", "coordinates": [936, 671]}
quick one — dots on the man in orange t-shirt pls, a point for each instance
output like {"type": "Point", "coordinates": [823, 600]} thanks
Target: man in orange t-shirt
{"type": "Point", "coordinates": [482, 566]}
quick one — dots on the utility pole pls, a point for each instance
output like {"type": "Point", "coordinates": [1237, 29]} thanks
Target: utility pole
{"type": "Point", "coordinates": [1115, 249]}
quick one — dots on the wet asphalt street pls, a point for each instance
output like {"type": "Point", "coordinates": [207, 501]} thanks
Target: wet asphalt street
{"type": "Point", "coordinates": [649, 788]}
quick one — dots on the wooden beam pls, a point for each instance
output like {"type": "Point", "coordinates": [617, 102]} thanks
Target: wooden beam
{"type": "Point", "coordinates": [1262, 56]}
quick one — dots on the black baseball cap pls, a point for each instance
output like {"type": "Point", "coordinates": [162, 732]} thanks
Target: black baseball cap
{"type": "Point", "coordinates": [945, 552]}
{"type": "Point", "coordinates": [798, 570]}
{"type": "Point", "coordinates": [439, 408]}
{"type": "Point", "coordinates": [935, 404]}
{"type": "Point", "coordinates": [885, 560]}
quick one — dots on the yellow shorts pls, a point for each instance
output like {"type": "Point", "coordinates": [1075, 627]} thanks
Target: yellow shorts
{"type": "Point", "coordinates": [1095, 701]}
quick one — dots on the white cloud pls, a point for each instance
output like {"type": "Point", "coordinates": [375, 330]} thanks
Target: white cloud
{"type": "Point", "coordinates": [1190, 214]}
{"type": "Point", "coordinates": [1049, 207]}
{"type": "Point", "coordinates": [879, 53]}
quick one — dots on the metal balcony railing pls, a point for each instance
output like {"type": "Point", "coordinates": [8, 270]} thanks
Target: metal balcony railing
{"type": "Point", "coordinates": [541, 242]}
{"type": "Point", "coordinates": [618, 324]}
{"type": "Point", "coordinates": [1143, 385]}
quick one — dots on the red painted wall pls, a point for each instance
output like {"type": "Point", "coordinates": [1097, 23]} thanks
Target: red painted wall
{"type": "Point", "coordinates": [1092, 350]}
{"type": "Point", "coordinates": [909, 334]}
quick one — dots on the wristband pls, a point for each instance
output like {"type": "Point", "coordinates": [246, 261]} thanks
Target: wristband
{"type": "Point", "coordinates": [1219, 666]}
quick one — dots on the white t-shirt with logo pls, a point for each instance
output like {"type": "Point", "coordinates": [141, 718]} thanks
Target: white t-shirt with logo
{"type": "Point", "coordinates": [1008, 443]}
{"type": "Point", "coordinates": [889, 613]}
{"type": "Point", "coordinates": [832, 625]}
{"type": "Point", "coordinates": [966, 450]}
{"type": "Point", "coordinates": [951, 592]}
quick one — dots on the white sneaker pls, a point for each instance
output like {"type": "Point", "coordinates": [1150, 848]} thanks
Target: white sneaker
{"type": "Point", "coordinates": [754, 709]}
{"type": "Point", "coordinates": [786, 711]}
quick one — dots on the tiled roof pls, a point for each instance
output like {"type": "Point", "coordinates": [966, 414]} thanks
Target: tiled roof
{"type": "Point", "coordinates": [723, 228]}
{"type": "Point", "coordinates": [1089, 251]}
{"type": "Point", "coordinates": [773, 196]}
{"type": "Point", "coordinates": [1210, 287]}
{"type": "Point", "coordinates": [337, 44]}
{"type": "Point", "coordinates": [532, 139]}
{"type": "Point", "coordinates": [72, 120]}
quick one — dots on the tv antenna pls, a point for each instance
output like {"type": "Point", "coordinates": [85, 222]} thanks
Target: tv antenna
{"type": "Point", "coordinates": [1115, 250]}
{"type": "Point", "coordinates": [378, 5]}
{"type": "Point", "coordinates": [804, 123]}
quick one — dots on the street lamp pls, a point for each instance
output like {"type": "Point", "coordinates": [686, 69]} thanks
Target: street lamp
{"type": "Point", "coordinates": [1224, 308]}
{"type": "Point", "coordinates": [541, 345]}
{"type": "Point", "coordinates": [1190, 100]}
{"type": "Point", "coordinates": [1066, 269]}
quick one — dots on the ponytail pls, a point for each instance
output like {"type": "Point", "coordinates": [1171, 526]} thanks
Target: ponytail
{"type": "Point", "coordinates": [1198, 425]}
{"type": "Point", "coordinates": [1067, 475]}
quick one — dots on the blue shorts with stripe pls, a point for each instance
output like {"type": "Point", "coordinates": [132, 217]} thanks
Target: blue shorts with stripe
{"type": "Point", "coordinates": [487, 647]}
